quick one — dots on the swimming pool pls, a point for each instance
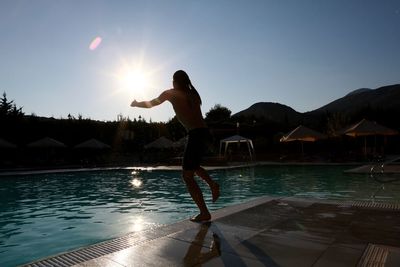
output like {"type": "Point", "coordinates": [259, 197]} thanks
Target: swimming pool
{"type": "Point", "coordinates": [42, 215]}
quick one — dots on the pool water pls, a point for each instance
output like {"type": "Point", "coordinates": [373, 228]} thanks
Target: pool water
{"type": "Point", "coordinates": [42, 215]}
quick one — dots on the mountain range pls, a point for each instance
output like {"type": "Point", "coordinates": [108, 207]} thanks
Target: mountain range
{"type": "Point", "coordinates": [383, 99]}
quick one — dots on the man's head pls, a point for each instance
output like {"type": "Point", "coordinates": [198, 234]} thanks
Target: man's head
{"type": "Point", "coordinates": [181, 80]}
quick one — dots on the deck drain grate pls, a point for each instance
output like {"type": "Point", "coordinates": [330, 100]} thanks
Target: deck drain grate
{"type": "Point", "coordinates": [374, 255]}
{"type": "Point", "coordinates": [371, 205]}
{"type": "Point", "coordinates": [90, 252]}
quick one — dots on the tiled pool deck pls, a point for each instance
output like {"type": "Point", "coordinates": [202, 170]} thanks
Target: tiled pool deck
{"type": "Point", "coordinates": [263, 232]}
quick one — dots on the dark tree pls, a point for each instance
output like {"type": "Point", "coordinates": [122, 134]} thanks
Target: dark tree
{"type": "Point", "coordinates": [217, 114]}
{"type": "Point", "coordinates": [9, 108]}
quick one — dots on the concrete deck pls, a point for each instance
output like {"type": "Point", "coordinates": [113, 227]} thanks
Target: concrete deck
{"type": "Point", "coordinates": [263, 232]}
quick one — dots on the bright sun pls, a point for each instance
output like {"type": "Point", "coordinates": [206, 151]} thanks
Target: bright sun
{"type": "Point", "coordinates": [133, 80]}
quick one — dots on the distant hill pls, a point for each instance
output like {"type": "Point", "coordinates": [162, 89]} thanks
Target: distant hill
{"type": "Point", "coordinates": [361, 90]}
{"type": "Point", "coordinates": [385, 99]}
{"type": "Point", "coordinates": [271, 111]}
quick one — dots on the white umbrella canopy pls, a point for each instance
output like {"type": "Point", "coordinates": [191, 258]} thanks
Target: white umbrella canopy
{"type": "Point", "coordinates": [236, 138]}
{"type": "Point", "coordinates": [92, 144]}
{"type": "Point", "coordinates": [161, 143]}
{"type": "Point", "coordinates": [47, 142]}
{"type": "Point", "coordinates": [6, 144]}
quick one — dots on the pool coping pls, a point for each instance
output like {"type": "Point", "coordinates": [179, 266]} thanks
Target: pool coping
{"type": "Point", "coordinates": [99, 250]}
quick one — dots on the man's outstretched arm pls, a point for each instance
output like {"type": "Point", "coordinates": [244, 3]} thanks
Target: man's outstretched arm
{"type": "Point", "coordinates": [146, 104]}
{"type": "Point", "coordinates": [149, 104]}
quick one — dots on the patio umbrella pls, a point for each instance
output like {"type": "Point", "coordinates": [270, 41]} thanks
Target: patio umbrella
{"type": "Point", "coordinates": [181, 142]}
{"type": "Point", "coordinates": [6, 144]}
{"type": "Point", "coordinates": [160, 143]}
{"type": "Point", "coordinates": [302, 134]}
{"type": "Point", "coordinates": [47, 142]}
{"type": "Point", "coordinates": [367, 128]}
{"type": "Point", "coordinates": [93, 144]}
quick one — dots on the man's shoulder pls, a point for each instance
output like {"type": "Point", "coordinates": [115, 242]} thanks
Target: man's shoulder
{"type": "Point", "coordinates": [168, 92]}
{"type": "Point", "coordinates": [167, 95]}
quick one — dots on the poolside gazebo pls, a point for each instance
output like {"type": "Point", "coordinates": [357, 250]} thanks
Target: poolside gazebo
{"type": "Point", "coordinates": [236, 139]}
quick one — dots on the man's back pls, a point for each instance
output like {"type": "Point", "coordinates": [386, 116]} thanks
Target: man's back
{"type": "Point", "coordinates": [187, 108]}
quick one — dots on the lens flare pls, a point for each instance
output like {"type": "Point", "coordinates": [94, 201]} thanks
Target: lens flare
{"type": "Point", "coordinates": [95, 43]}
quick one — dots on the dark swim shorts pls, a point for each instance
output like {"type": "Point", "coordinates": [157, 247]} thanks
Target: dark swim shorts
{"type": "Point", "coordinates": [196, 147]}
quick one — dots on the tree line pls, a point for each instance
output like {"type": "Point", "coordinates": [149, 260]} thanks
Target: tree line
{"type": "Point", "coordinates": [20, 128]}
{"type": "Point", "coordinates": [129, 136]}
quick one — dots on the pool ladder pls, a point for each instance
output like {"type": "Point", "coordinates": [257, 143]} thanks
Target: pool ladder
{"type": "Point", "coordinates": [377, 172]}
{"type": "Point", "coordinates": [379, 168]}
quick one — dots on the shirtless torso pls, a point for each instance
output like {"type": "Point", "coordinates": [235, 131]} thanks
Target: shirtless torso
{"type": "Point", "coordinates": [186, 108]}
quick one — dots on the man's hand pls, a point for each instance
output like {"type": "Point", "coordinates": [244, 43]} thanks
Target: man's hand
{"type": "Point", "coordinates": [134, 103]}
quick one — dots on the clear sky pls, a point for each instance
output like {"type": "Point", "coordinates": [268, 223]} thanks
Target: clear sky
{"type": "Point", "coordinates": [303, 54]}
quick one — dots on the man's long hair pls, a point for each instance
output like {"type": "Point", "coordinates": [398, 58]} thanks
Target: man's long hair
{"type": "Point", "coordinates": [182, 79]}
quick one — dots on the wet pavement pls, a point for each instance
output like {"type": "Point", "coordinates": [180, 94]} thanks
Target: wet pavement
{"type": "Point", "coordinates": [263, 232]}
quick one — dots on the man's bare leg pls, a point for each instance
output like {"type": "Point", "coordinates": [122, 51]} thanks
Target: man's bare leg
{"type": "Point", "coordinates": [197, 196]}
{"type": "Point", "coordinates": [214, 186]}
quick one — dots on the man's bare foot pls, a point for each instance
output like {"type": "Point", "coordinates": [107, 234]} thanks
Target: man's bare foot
{"type": "Point", "coordinates": [215, 192]}
{"type": "Point", "coordinates": [201, 218]}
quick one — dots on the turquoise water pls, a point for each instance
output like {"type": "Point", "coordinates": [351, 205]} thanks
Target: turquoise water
{"type": "Point", "coordinates": [42, 215]}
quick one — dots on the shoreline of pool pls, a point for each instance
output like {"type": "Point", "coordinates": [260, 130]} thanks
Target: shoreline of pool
{"type": "Point", "coordinates": [19, 172]}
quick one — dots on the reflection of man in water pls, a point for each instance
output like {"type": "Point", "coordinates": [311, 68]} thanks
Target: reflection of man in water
{"type": "Point", "coordinates": [186, 102]}
{"type": "Point", "coordinates": [194, 256]}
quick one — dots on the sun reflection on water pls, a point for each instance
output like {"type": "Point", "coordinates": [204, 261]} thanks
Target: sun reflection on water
{"type": "Point", "coordinates": [138, 224]}
{"type": "Point", "coordinates": [136, 182]}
